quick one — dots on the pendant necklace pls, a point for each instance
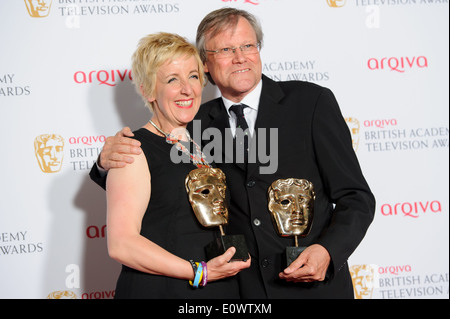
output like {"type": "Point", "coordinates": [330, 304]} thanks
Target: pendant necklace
{"type": "Point", "coordinates": [199, 159]}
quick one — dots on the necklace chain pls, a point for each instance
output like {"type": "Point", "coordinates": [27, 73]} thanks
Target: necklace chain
{"type": "Point", "coordinates": [198, 159]}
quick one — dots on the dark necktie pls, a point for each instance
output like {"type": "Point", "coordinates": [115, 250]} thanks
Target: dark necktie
{"type": "Point", "coordinates": [241, 141]}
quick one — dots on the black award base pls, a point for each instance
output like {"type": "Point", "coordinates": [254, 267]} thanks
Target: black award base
{"type": "Point", "coordinates": [221, 244]}
{"type": "Point", "coordinates": [292, 253]}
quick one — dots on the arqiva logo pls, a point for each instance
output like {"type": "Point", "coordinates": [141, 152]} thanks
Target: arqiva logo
{"type": "Point", "coordinates": [96, 231]}
{"type": "Point", "coordinates": [397, 64]}
{"type": "Point", "coordinates": [107, 77]}
{"type": "Point", "coordinates": [413, 210]}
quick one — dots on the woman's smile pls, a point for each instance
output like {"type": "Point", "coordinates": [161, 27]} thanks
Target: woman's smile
{"type": "Point", "coordinates": [185, 104]}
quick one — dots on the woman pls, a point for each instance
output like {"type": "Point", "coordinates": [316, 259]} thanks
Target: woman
{"type": "Point", "coordinates": [152, 230]}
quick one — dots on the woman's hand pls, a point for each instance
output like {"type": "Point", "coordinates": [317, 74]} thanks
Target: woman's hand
{"type": "Point", "coordinates": [221, 267]}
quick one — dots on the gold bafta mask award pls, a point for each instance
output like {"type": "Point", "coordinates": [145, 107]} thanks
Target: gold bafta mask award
{"type": "Point", "coordinates": [291, 204]}
{"type": "Point", "coordinates": [206, 188]}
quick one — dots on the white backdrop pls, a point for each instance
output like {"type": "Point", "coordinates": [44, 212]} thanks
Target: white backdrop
{"type": "Point", "coordinates": [65, 70]}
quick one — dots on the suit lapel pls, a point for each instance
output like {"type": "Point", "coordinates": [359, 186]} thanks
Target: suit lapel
{"type": "Point", "coordinates": [219, 120]}
{"type": "Point", "coordinates": [219, 116]}
{"type": "Point", "coordinates": [270, 115]}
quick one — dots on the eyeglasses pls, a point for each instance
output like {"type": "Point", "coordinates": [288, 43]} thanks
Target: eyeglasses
{"type": "Point", "coordinates": [229, 52]}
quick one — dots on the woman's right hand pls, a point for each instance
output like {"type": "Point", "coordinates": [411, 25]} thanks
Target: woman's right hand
{"type": "Point", "coordinates": [221, 267]}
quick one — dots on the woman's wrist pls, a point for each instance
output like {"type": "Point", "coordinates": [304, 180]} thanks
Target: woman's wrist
{"type": "Point", "coordinates": [200, 274]}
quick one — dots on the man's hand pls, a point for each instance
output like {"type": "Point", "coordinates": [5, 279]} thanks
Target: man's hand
{"type": "Point", "coordinates": [117, 148]}
{"type": "Point", "coordinates": [311, 265]}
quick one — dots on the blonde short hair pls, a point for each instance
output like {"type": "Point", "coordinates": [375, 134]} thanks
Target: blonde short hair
{"type": "Point", "coordinates": [152, 52]}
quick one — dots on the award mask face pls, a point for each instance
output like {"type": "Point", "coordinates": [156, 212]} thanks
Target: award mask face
{"type": "Point", "coordinates": [206, 189]}
{"type": "Point", "coordinates": [48, 149]}
{"type": "Point", "coordinates": [291, 203]}
{"type": "Point", "coordinates": [364, 278]}
{"type": "Point", "coordinates": [38, 8]}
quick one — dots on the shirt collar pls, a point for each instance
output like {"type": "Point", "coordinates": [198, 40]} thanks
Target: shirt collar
{"type": "Point", "coordinates": [251, 99]}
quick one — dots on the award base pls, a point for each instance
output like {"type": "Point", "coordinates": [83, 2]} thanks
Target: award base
{"type": "Point", "coordinates": [292, 253]}
{"type": "Point", "coordinates": [221, 244]}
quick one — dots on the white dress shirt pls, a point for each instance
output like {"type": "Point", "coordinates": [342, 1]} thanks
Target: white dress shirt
{"type": "Point", "coordinates": [250, 112]}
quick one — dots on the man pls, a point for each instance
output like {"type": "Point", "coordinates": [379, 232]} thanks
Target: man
{"type": "Point", "coordinates": [314, 143]}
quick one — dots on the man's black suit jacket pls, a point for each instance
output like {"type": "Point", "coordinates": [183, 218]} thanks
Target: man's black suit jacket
{"type": "Point", "coordinates": [314, 143]}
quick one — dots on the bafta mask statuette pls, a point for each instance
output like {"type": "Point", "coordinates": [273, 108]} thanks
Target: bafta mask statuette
{"type": "Point", "coordinates": [291, 204]}
{"type": "Point", "coordinates": [206, 188]}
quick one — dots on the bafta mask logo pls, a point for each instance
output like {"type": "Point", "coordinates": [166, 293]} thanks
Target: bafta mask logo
{"type": "Point", "coordinates": [364, 279]}
{"type": "Point", "coordinates": [291, 204]}
{"type": "Point", "coordinates": [336, 3]}
{"type": "Point", "coordinates": [48, 149]}
{"type": "Point", "coordinates": [62, 295]}
{"type": "Point", "coordinates": [38, 8]}
{"type": "Point", "coordinates": [206, 189]}
{"type": "Point", "coordinates": [353, 125]}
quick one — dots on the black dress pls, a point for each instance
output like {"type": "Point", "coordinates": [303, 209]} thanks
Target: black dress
{"type": "Point", "coordinates": [170, 222]}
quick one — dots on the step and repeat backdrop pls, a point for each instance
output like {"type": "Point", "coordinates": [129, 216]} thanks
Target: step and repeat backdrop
{"type": "Point", "coordinates": [65, 85]}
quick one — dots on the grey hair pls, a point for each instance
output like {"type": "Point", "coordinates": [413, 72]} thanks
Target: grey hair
{"type": "Point", "coordinates": [217, 21]}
